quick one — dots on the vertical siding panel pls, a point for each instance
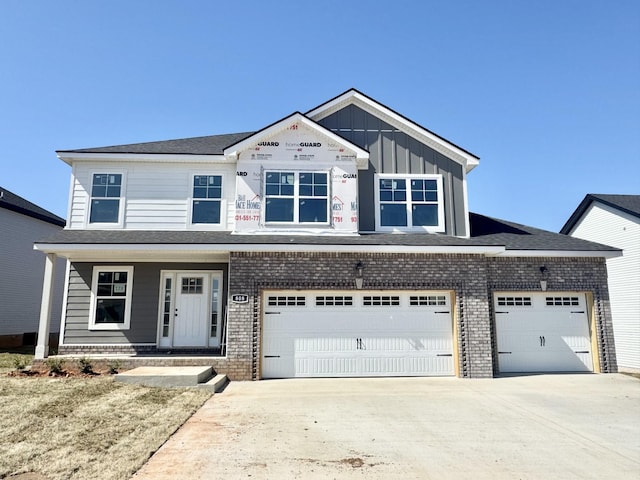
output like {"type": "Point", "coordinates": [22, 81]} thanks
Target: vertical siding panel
{"type": "Point", "coordinates": [387, 162]}
{"type": "Point", "coordinates": [402, 152]}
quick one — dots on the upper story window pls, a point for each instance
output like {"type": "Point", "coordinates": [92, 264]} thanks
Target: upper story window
{"type": "Point", "coordinates": [207, 195]}
{"type": "Point", "coordinates": [409, 202]}
{"type": "Point", "coordinates": [106, 190]}
{"type": "Point", "coordinates": [296, 197]}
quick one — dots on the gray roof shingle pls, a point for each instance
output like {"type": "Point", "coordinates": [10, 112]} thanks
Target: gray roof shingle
{"type": "Point", "coordinates": [485, 231]}
{"type": "Point", "coordinates": [209, 145]}
{"type": "Point", "coordinates": [625, 203]}
{"type": "Point", "coordinates": [17, 204]}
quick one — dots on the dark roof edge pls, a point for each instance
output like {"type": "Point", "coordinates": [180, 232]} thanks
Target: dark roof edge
{"type": "Point", "coordinates": [397, 113]}
{"type": "Point", "coordinates": [584, 205]}
{"type": "Point", "coordinates": [30, 210]}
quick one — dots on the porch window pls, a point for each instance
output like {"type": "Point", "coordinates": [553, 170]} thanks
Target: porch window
{"type": "Point", "coordinates": [297, 197]}
{"type": "Point", "coordinates": [207, 195]}
{"type": "Point", "coordinates": [111, 298]}
{"type": "Point", "coordinates": [106, 189]}
{"type": "Point", "coordinates": [409, 202]}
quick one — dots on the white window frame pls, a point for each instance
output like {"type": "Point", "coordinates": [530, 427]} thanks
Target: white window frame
{"type": "Point", "coordinates": [439, 228]}
{"type": "Point", "coordinates": [296, 196]}
{"type": "Point", "coordinates": [121, 199]}
{"type": "Point", "coordinates": [223, 203]}
{"type": "Point", "coordinates": [97, 269]}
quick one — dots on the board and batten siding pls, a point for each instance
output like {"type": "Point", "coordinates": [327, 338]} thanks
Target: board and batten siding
{"type": "Point", "coordinates": [22, 274]}
{"type": "Point", "coordinates": [157, 196]}
{"type": "Point", "coordinates": [144, 303]}
{"type": "Point", "coordinates": [393, 151]}
{"type": "Point", "coordinates": [604, 224]}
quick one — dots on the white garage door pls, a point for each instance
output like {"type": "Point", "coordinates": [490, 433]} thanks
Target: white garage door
{"type": "Point", "coordinates": [542, 332]}
{"type": "Point", "coordinates": [353, 334]}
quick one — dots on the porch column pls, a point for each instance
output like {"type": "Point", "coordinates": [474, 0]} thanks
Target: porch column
{"type": "Point", "coordinates": [42, 349]}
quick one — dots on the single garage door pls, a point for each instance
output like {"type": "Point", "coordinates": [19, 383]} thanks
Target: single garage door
{"type": "Point", "coordinates": [354, 334]}
{"type": "Point", "coordinates": [542, 332]}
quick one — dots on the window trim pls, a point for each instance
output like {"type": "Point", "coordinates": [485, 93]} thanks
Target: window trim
{"type": "Point", "coordinates": [223, 204]}
{"type": "Point", "coordinates": [121, 198]}
{"type": "Point", "coordinates": [439, 228]}
{"type": "Point", "coordinates": [97, 269]}
{"type": "Point", "coordinates": [296, 197]}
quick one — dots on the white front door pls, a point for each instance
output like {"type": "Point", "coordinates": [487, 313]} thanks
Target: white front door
{"type": "Point", "coordinates": [356, 333]}
{"type": "Point", "coordinates": [542, 332]}
{"type": "Point", "coordinates": [190, 309]}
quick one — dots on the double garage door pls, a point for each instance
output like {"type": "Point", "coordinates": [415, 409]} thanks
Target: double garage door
{"type": "Point", "coordinates": [354, 334]}
{"type": "Point", "coordinates": [542, 332]}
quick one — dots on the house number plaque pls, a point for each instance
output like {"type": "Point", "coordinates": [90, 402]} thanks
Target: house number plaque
{"type": "Point", "coordinates": [240, 298]}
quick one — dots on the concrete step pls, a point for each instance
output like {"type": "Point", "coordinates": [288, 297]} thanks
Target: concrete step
{"type": "Point", "coordinates": [167, 376]}
{"type": "Point", "coordinates": [216, 384]}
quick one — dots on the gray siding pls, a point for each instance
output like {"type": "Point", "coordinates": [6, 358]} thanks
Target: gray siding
{"type": "Point", "coordinates": [393, 151]}
{"type": "Point", "coordinates": [22, 270]}
{"type": "Point", "coordinates": [144, 304]}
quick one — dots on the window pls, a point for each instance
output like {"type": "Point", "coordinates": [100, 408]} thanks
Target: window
{"type": "Point", "coordinates": [111, 298]}
{"type": "Point", "coordinates": [562, 301]}
{"type": "Point", "coordinates": [296, 197]}
{"type": "Point", "coordinates": [410, 202]}
{"type": "Point", "coordinates": [334, 301]}
{"type": "Point", "coordinates": [427, 300]}
{"type": "Point", "coordinates": [380, 300]}
{"type": "Point", "coordinates": [192, 286]}
{"type": "Point", "coordinates": [514, 301]}
{"type": "Point", "coordinates": [207, 195]}
{"type": "Point", "coordinates": [106, 189]}
{"type": "Point", "coordinates": [286, 301]}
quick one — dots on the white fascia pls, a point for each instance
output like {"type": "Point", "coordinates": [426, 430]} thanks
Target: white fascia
{"type": "Point", "coordinates": [233, 151]}
{"type": "Point", "coordinates": [467, 160]}
{"type": "Point", "coordinates": [562, 253]}
{"type": "Point", "coordinates": [72, 157]}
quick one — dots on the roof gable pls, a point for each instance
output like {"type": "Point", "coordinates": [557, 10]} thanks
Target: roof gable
{"type": "Point", "coordinates": [629, 204]}
{"type": "Point", "coordinates": [298, 128]}
{"type": "Point", "coordinates": [386, 114]}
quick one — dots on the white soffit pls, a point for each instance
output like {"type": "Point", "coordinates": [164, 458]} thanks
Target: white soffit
{"type": "Point", "coordinates": [70, 158]}
{"type": "Point", "coordinates": [467, 160]}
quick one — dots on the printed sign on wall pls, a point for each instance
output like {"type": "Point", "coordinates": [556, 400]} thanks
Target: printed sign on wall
{"type": "Point", "coordinates": [297, 149]}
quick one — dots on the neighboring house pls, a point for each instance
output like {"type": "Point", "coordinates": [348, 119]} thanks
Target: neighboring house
{"type": "Point", "coordinates": [22, 269]}
{"type": "Point", "coordinates": [615, 220]}
{"type": "Point", "coordinates": [332, 243]}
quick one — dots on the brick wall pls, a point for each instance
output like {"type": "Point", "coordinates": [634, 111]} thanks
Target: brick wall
{"type": "Point", "coordinates": [473, 279]}
{"type": "Point", "coordinates": [587, 275]}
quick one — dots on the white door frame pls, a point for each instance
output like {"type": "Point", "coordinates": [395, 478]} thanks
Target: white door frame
{"type": "Point", "coordinates": [168, 296]}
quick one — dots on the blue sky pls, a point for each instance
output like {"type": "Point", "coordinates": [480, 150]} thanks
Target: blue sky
{"type": "Point", "coordinates": [546, 92]}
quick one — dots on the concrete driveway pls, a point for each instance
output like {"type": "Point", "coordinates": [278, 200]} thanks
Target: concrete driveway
{"type": "Point", "coordinates": [528, 427]}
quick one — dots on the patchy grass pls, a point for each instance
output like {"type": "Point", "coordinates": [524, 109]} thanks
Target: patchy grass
{"type": "Point", "coordinates": [8, 360]}
{"type": "Point", "coordinates": [86, 428]}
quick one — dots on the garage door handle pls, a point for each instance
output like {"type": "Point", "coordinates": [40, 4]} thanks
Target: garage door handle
{"type": "Point", "coordinates": [444, 355]}
{"type": "Point", "coordinates": [441, 312]}
{"type": "Point", "coordinates": [272, 313]}
{"type": "Point", "coordinates": [272, 356]}
{"type": "Point", "coordinates": [581, 311]}
{"type": "Point", "coordinates": [504, 353]}
{"type": "Point", "coordinates": [581, 351]}
{"type": "Point", "coordinates": [502, 312]}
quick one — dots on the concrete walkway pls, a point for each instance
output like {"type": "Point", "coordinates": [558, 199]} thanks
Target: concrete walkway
{"type": "Point", "coordinates": [529, 427]}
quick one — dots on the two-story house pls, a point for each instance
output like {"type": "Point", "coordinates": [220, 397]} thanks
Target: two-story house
{"type": "Point", "coordinates": [337, 242]}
